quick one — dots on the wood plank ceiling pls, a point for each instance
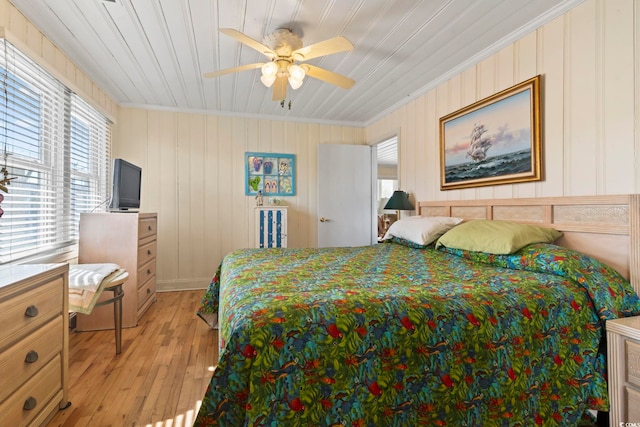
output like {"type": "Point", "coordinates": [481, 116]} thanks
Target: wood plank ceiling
{"type": "Point", "coordinates": [153, 53]}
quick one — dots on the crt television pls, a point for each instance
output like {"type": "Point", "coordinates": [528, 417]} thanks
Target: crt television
{"type": "Point", "coordinates": [127, 179]}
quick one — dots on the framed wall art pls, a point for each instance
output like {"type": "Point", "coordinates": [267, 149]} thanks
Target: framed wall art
{"type": "Point", "coordinates": [271, 173]}
{"type": "Point", "coordinates": [493, 141]}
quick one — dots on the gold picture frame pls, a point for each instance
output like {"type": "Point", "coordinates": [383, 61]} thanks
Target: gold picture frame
{"type": "Point", "coordinates": [496, 140]}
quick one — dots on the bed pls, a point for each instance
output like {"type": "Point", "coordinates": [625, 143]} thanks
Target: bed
{"type": "Point", "coordinates": [394, 334]}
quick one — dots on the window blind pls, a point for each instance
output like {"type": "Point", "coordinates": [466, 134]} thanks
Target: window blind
{"type": "Point", "coordinates": [58, 148]}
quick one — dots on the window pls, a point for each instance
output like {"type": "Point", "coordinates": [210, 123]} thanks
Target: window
{"type": "Point", "coordinates": [58, 148]}
{"type": "Point", "coordinates": [386, 187]}
{"type": "Point", "coordinates": [387, 159]}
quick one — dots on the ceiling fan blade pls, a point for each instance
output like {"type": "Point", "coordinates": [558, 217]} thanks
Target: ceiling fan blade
{"type": "Point", "coordinates": [328, 76]}
{"type": "Point", "coordinates": [254, 44]}
{"type": "Point", "coordinates": [233, 70]}
{"type": "Point", "coordinates": [327, 47]}
{"type": "Point", "coordinates": [279, 88]}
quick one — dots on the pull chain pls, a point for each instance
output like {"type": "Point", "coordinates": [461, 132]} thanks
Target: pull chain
{"type": "Point", "coordinates": [5, 181]}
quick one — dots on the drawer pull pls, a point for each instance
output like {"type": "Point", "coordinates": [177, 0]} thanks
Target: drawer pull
{"type": "Point", "coordinates": [148, 291]}
{"type": "Point", "coordinates": [149, 228]}
{"type": "Point", "coordinates": [148, 251]}
{"type": "Point", "coordinates": [32, 311]}
{"type": "Point", "coordinates": [148, 271]}
{"type": "Point", "coordinates": [32, 357]}
{"type": "Point", "coordinates": [30, 403]}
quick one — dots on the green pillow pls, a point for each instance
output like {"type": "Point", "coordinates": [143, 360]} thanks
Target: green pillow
{"type": "Point", "coordinates": [496, 237]}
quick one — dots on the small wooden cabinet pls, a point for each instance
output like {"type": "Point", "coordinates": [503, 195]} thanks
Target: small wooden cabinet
{"type": "Point", "coordinates": [623, 360]}
{"type": "Point", "coordinates": [34, 343]}
{"type": "Point", "coordinates": [271, 227]}
{"type": "Point", "coordinates": [129, 240]}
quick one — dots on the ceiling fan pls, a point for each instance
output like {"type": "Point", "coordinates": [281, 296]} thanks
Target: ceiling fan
{"type": "Point", "coordinates": [284, 49]}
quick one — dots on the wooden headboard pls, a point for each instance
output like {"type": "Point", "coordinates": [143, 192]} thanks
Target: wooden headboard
{"type": "Point", "coordinates": [605, 227]}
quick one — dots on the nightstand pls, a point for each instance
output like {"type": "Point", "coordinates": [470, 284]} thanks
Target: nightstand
{"type": "Point", "coordinates": [623, 359]}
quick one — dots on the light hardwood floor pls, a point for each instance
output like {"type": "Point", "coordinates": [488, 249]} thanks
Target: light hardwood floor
{"type": "Point", "coordinates": [159, 378]}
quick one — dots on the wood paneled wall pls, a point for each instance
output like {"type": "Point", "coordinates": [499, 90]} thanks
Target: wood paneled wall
{"type": "Point", "coordinates": [193, 177]}
{"type": "Point", "coordinates": [590, 62]}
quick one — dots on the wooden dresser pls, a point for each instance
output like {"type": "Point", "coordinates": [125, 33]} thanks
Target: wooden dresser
{"type": "Point", "coordinates": [34, 343]}
{"type": "Point", "coordinates": [623, 361]}
{"type": "Point", "coordinates": [129, 240]}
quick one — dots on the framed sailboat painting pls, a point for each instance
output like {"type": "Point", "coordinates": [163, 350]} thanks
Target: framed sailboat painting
{"type": "Point", "coordinates": [493, 141]}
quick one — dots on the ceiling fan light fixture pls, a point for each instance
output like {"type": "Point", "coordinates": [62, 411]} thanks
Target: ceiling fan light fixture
{"type": "Point", "coordinates": [294, 83]}
{"type": "Point", "coordinates": [296, 76]}
{"type": "Point", "coordinates": [269, 71]}
{"type": "Point", "coordinates": [296, 72]}
{"type": "Point", "coordinates": [268, 80]}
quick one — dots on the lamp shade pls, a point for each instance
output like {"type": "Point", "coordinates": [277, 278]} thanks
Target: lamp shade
{"type": "Point", "coordinates": [399, 201]}
{"type": "Point", "coordinates": [296, 72]}
{"type": "Point", "coordinates": [269, 71]}
{"type": "Point", "coordinates": [268, 80]}
{"type": "Point", "coordinates": [296, 75]}
{"type": "Point", "coordinates": [295, 83]}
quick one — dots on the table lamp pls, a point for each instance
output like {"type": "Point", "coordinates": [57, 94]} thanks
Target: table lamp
{"type": "Point", "coordinates": [399, 201]}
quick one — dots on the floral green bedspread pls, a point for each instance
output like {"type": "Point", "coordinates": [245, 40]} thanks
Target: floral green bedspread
{"type": "Point", "coordinates": [387, 335]}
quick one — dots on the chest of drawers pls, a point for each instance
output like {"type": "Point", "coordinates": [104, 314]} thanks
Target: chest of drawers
{"type": "Point", "coordinates": [34, 343]}
{"type": "Point", "coordinates": [129, 240]}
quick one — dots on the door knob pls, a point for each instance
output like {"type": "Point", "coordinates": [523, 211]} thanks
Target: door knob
{"type": "Point", "coordinates": [323, 219]}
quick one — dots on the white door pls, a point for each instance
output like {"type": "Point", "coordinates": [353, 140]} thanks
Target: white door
{"type": "Point", "coordinates": [345, 195]}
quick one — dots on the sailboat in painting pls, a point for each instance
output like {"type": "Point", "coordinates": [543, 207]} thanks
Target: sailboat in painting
{"type": "Point", "coordinates": [480, 143]}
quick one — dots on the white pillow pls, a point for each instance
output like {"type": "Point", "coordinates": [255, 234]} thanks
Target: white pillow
{"type": "Point", "coordinates": [421, 230]}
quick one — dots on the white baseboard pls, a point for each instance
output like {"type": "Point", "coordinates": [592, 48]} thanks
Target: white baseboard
{"type": "Point", "coordinates": [182, 284]}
